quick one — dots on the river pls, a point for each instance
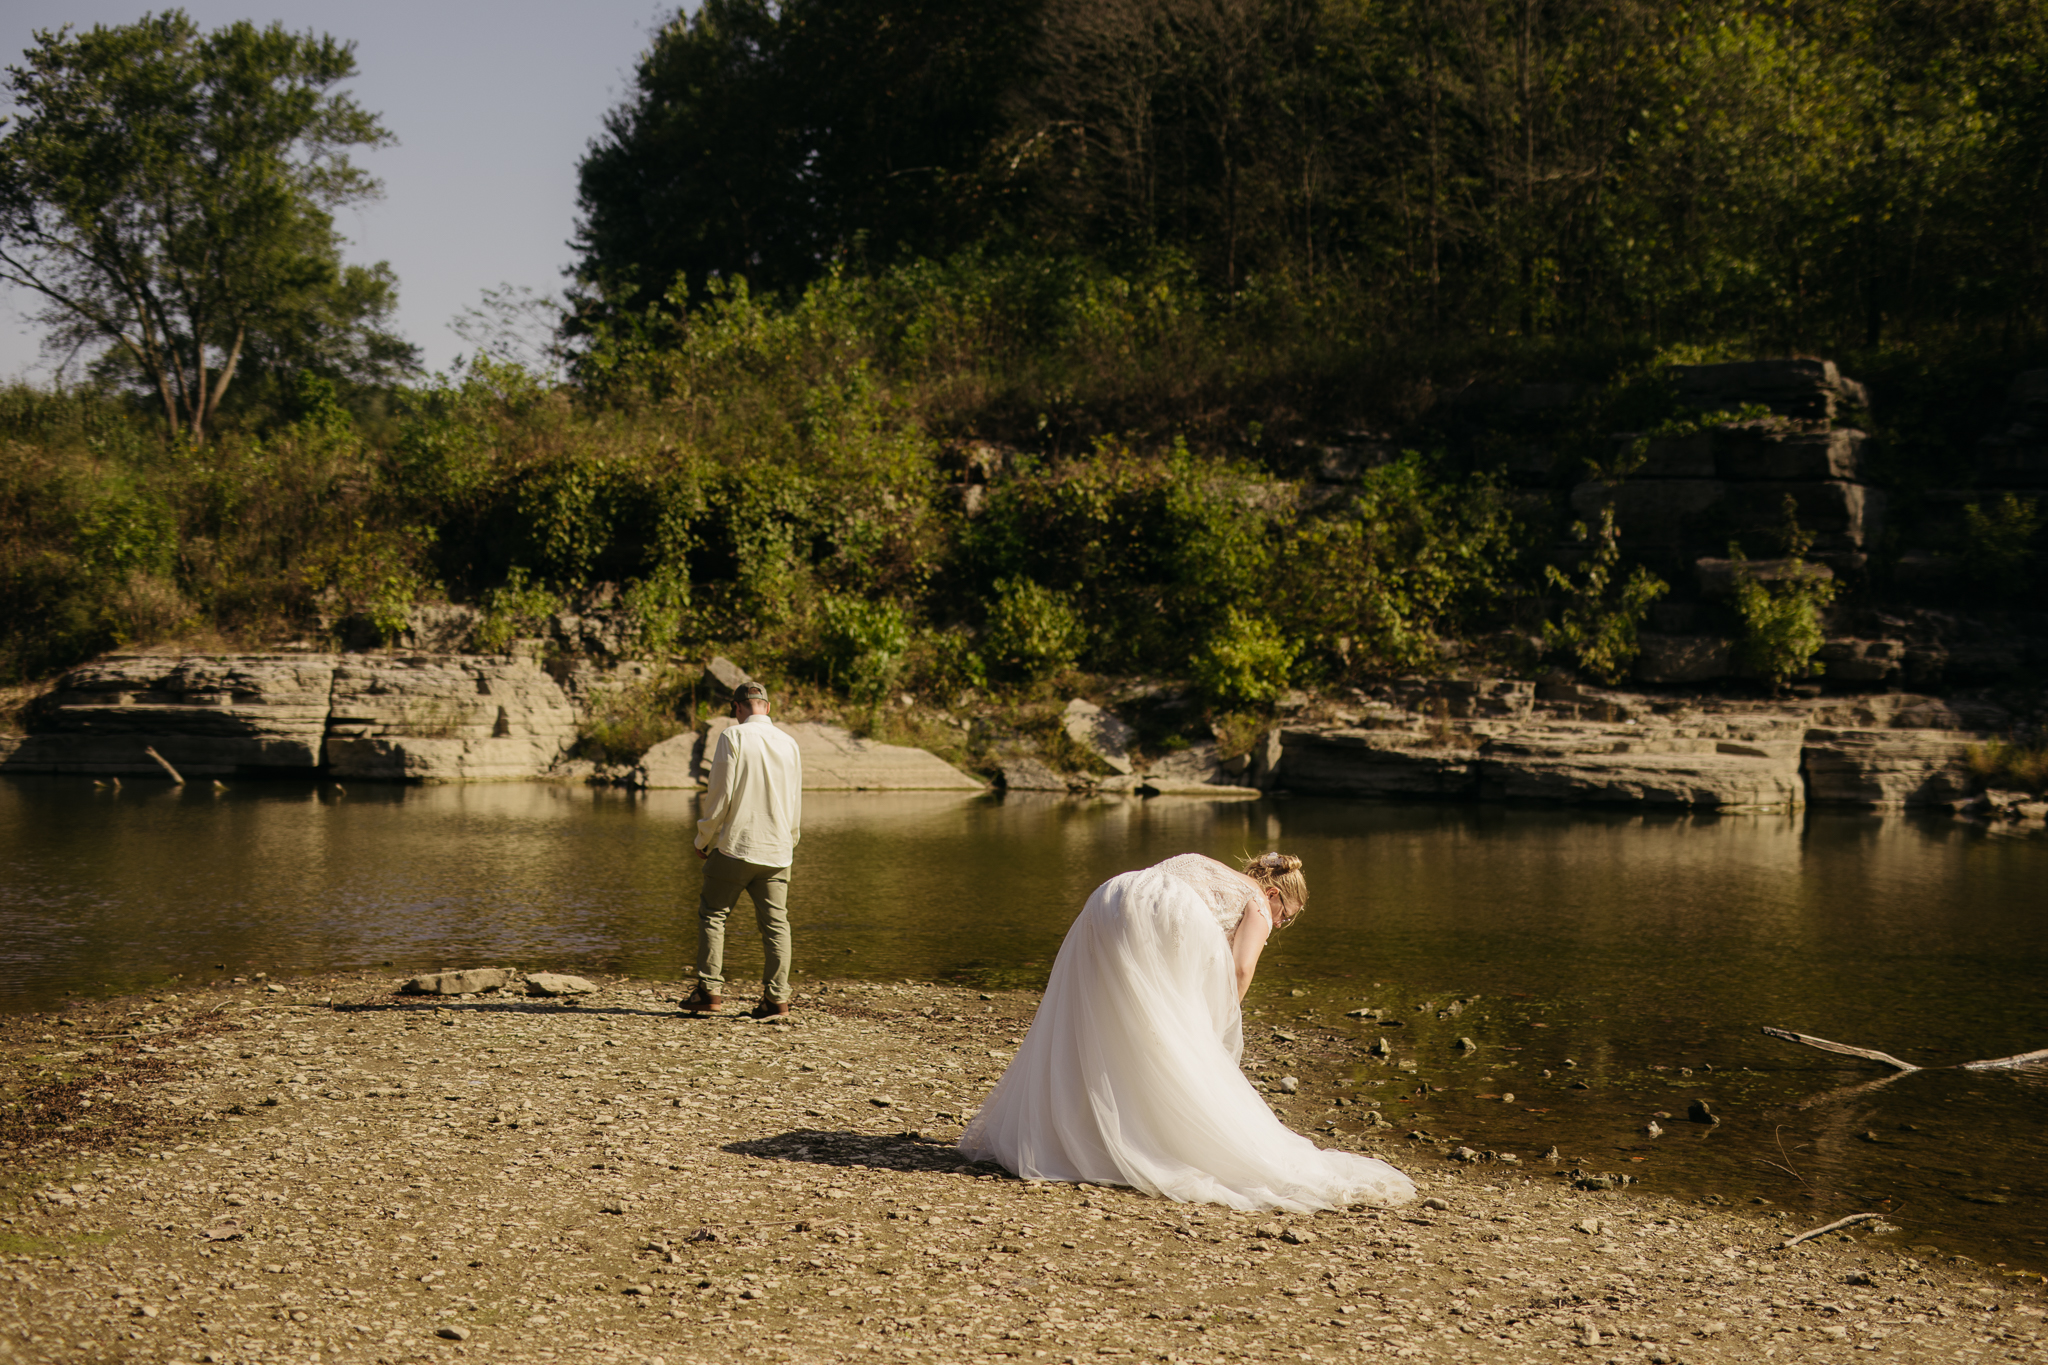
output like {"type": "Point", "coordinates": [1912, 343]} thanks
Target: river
{"type": "Point", "coordinates": [1636, 955]}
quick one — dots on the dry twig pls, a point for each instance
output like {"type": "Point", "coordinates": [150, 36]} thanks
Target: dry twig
{"type": "Point", "coordinates": [1791, 1242]}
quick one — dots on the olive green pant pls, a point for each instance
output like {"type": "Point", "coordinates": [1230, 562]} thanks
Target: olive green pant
{"type": "Point", "coordinates": [724, 878]}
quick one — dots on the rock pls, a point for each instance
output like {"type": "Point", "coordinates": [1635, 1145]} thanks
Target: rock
{"type": "Point", "coordinates": [1684, 658]}
{"type": "Point", "coordinates": [471, 981]}
{"type": "Point", "coordinates": [1030, 775]}
{"type": "Point", "coordinates": [1811, 390]}
{"type": "Point", "coordinates": [1100, 732]}
{"type": "Point", "coordinates": [426, 718]}
{"type": "Point", "coordinates": [1366, 1013]}
{"type": "Point", "coordinates": [671, 764]}
{"type": "Point", "coordinates": [1466, 1045]}
{"type": "Point", "coordinates": [706, 751]}
{"type": "Point", "coordinates": [1195, 771]}
{"type": "Point", "coordinates": [1348, 762]}
{"type": "Point", "coordinates": [835, 760]}
{"type": "Point", "coordinates": [1717, 578]}
{"type": "Point", "coordinates": [1887, 767]}
{"type": "Point", "coordinates": [1436, 1205]}
{"type": "Point", "coordinates": [1638, 768]}
{"type": "Point", "coordinates": [1381, 1048]}
{"type": "Point", "coordinates": [1862, 662]}
{"type": "Point", "coordinates": [210, 716]}
{"type": "Point", "coordinates": [1297, 1236]}
{"type": "Point", "coordinates": [1290, 1084]}
{"type": "Point", "coordinates": [552, 983]}
{"type": "Point", "coordinates": [721, 676]}
{"type": "Point", "coordinates": [1270, 1231]}
{"type": "Point", "coordinates": [1463, 1154]}
{"type": "Point", "coordinates": [1700, 1112]}
{"type": "Point", "coordinates": [452, 1333]}
{"type": "Point", "coordinates": [1652, 1129]}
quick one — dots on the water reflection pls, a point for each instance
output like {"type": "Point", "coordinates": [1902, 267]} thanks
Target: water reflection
{"type": "Point", "coordinates": [1617, 950]}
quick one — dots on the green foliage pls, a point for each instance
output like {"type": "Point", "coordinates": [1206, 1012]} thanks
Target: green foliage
{"type": "Point", "coordinates": [1999, 554]}
{"type": "Point", "coordinates": [1033, 632]}
{"type": "Point", "coordinates": [624, 723]}
{"type": "Point", "coordinates": [944, 664]}
{"type": "Point", "coordinates": [375, 576]}
{"type": "Point", "coordinates": [514, 607]}
{"type": "Point", "coordinates": [861, 645]}
{"type": "Point", "coordinates": [1244, 663]}
{"type": "Point", "coordinates": [1415, 557]}
{"type": "Point", "coordinates": [1602, 612]}
{"type": "Point", "coordinates": [169, 195]}
{"type": "Point", "coordinates": [2009, 766]}
{"type": "Point", "coordinates": [1781, 626]}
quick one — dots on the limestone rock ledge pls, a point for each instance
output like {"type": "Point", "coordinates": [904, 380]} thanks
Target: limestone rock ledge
{"type": "Point", "coordinates": [462, 718]}
{"type": "Point", "coordinates": [416, 717]}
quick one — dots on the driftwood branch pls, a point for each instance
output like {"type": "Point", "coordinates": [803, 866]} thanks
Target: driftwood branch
{"type": "Point", "coordinates": [2023, 1059]}
{"type": "Point", "coordinates": [1791, 1242]}
{"type": "Point", "coordinates": [1901, 1068]}
{"type": "Point", "coordinates": [165, 764]}
{"type": "Point", "coordinates": [1825, 1046]}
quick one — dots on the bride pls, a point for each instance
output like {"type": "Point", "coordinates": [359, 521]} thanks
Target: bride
{"type": "Point", "coordinates": [1129, 1075]}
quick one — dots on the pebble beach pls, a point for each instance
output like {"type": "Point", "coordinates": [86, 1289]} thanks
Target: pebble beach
{"type": "Point", "coordinates": [323, 1169]}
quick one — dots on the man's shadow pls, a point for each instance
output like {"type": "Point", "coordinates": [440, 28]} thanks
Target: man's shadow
{"type": "Point", "coordinates": [871, 1151]}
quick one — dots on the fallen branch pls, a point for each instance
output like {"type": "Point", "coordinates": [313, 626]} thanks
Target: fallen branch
{"type": "Point", "coordinates": [2023, 1059]}
{"type": "Point", "coordinates": [165, 764]}
{"type": "Point", "coordinates": [1838, 1223]}
{"type": "Point", "coordinates": [1825, 1046]}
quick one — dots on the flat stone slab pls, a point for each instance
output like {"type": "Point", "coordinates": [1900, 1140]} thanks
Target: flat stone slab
{"type": "Point", "coordinates": [470, 981]}
{"type": "Point", "coordinates": [836, 760]}
{"type": "Point", "coordinates": [556, 983]}
{"type": "Point", "coordinates": [442, 718]}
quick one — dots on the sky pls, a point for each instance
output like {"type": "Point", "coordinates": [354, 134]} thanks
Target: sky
{"type": "Point", "coordinates": [492, 105]}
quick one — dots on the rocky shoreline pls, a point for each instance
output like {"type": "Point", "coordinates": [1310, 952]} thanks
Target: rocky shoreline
{"type": "Point", "coordinates": [328, 1169]}
{"type": "Point", "coordinates": [455, 717]}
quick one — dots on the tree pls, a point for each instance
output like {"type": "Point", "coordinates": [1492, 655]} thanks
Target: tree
{"type": "Point", "coordinates": [762, 139]}
{"type": "Point", "coordinates": [169, 193]}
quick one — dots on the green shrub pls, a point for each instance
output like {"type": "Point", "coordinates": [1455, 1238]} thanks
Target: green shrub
{"type": "Point", "coordinates": [1600, 618]}
{"type": "Point", "coordinates": [1781, 627]}
{"type": "Point", "coordinates": [1244, 662]}
{"type": "Point", "coordinates": [861, 644]}
{"type": "Point", "coordinates": [624, 724]}
{"type": "Point", "coordinates": [1032, 632]}
{"type": "Point", "coordinates": [2008, 765]}
{"type": "Point", "coordinates": [512, 609]}
{"type": "Point", "coordinates": [1998, 549]}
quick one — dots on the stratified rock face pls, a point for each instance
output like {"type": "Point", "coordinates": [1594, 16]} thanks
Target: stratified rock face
{"type": "Point", "coordinates": [1100, 732]}
{"type": "Point", "coordinates": [1589, 764]}
{"type": "Point", "coordinates": [834, 760]}
{"type": "Point", "coordinates": [1811, 390]}
{"type": "Point", "coordinates": [211, 717]}
{"type": "Point", "coordinates": [445, 719]}
{"type": "Point", "coordinates": [1895, 767]}
{"type": "Point", "coordinates": [1371, 763]}
{"type": "Point", "coordinates": [1597, 768]}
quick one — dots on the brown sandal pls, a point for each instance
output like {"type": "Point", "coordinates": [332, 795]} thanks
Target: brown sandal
{"type": "Point", "coordinates": [701, 1001]}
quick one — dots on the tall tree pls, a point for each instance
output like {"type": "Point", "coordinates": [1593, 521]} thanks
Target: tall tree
{"type": "Point", "coordinates": [169, 193]}
{"type": "Point", "coordinates": [761, 139]}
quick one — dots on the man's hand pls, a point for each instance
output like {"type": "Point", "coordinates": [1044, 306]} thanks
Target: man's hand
{"type": "Point", "coordinates": [705, 854]}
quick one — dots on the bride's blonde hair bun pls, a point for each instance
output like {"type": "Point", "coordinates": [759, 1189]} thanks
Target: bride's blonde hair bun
{"type": "Point", "coordinates": [1282, 872]}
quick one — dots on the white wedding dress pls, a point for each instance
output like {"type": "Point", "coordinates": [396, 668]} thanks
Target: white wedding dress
{"type": "Point", "coordinates": [1130, 1073]}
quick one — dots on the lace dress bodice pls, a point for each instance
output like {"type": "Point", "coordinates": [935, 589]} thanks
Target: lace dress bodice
{"type": "Point", "coordinates": [1227, 893]}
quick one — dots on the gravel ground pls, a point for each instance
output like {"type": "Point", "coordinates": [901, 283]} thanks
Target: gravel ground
{"type": "Point", "coordinates": [326, 1171]}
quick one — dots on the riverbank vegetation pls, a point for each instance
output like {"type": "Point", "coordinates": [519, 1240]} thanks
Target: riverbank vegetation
{"type": "Point", "coordinates": [1133, 356]}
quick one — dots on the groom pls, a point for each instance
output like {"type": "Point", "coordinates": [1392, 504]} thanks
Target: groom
{"type": "Point", "coordinates": [753, 816]}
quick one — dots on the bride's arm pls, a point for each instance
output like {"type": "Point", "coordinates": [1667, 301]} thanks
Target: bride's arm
{"type": "Point", "coordinates": [1248, 941]}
